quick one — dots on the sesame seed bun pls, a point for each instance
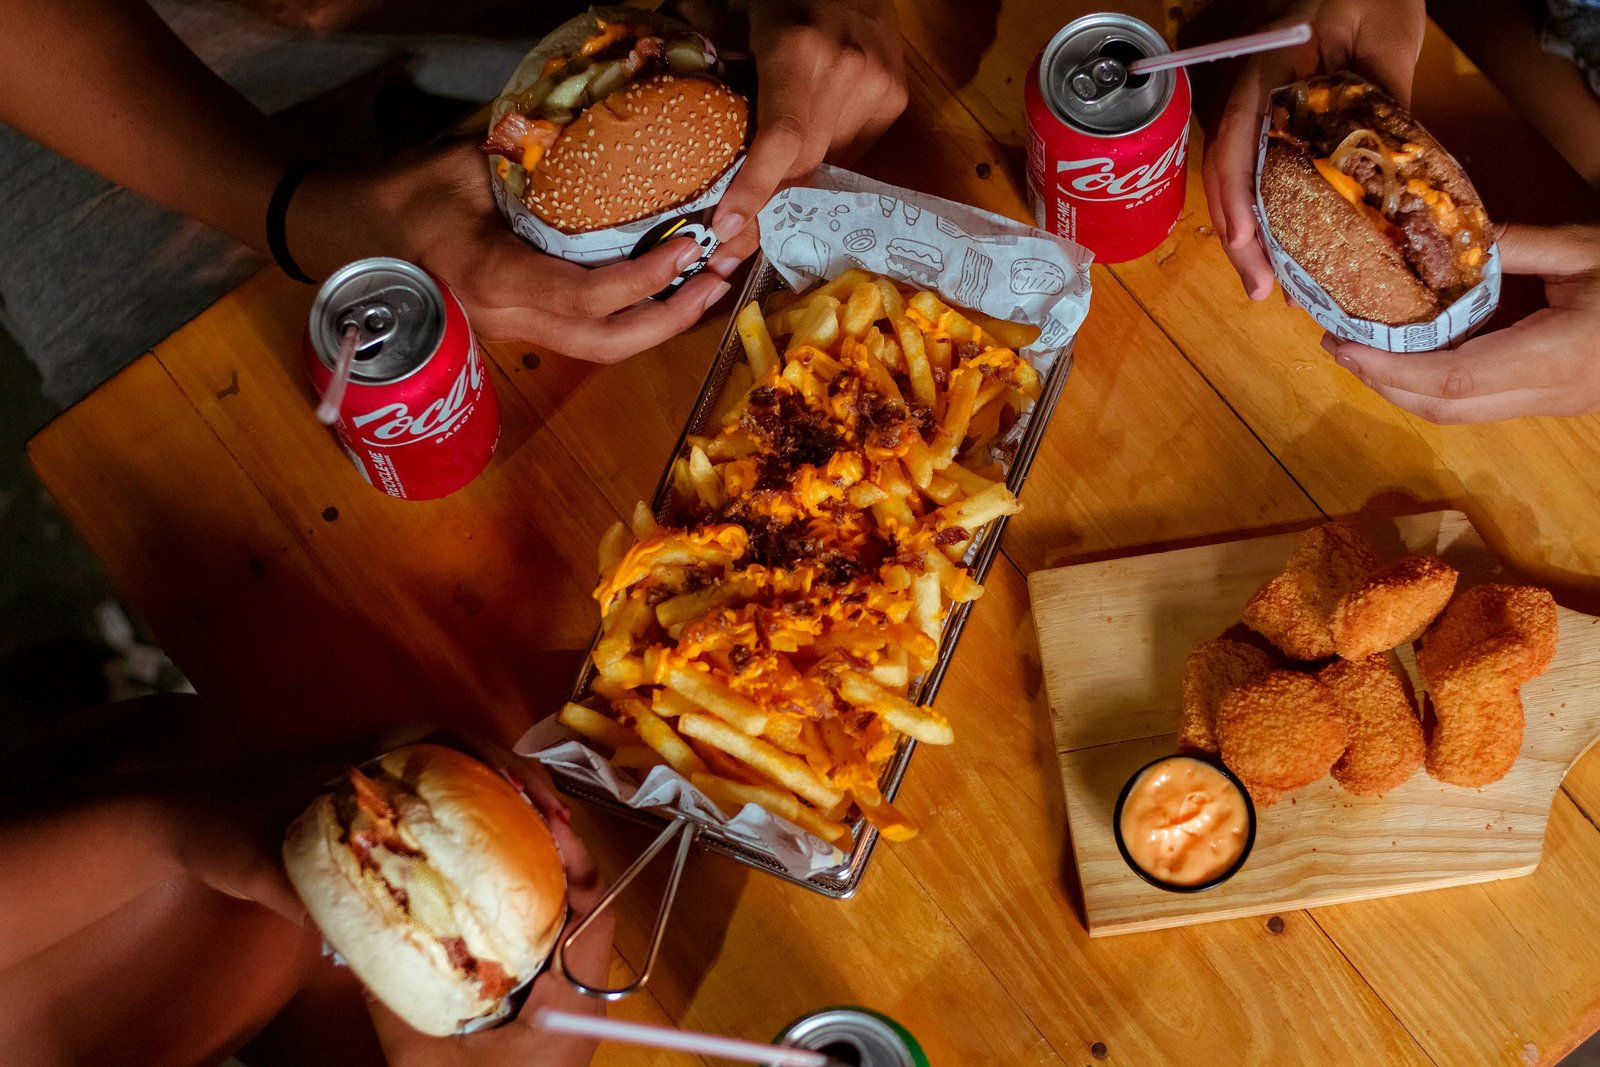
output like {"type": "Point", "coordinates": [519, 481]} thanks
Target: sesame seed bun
{"type": "Point", "coordinates": [660, 142]}
{"type": "Point", "coordinates": [464, 906]}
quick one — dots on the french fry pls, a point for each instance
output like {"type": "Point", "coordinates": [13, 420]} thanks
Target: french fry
{"type": "Point", "coordinates": [644, 523]}
{"type": "Point", "coordinates": [882, 814]}
{"type": "Point", "coordinates": [864, 307]}
{"type": "Point", "coordinates": [942, 490]}
{"type": "Point", "coordinates": [894, 305]}
{"type": "Point", "coordinates": [720, 763]}
{"type": "Point", "coordinates": [734, 391]}
{"type": "Point", "coordinates": [627, 673]}
{"type": "Point", "coordinates": [622, 628]}
{"type": "Point", "coordinates": [970, 514]}
{"type": "Point", "coordinates": [718, 699]}
{"type": "Point", "coordinates": [817, 327]}
{"type": "Point", "coordinates": [840, 287]}
{"type": "Point", "coordinates": [927, 609]}
{"type": "Point", "coordinates": [596, 726]}
{"type": "Point", "coordinates": [663, 738]}
{"type": "Point", "coordinates": [759, 350]}
{"type": "Point", "coordinates": [1013, 335]}
{"type": "Point", "coordinates": [970, 481]}
{"type": "Point", "coordinates": [669, 705]}
{"type": "Point", "coordinates": [707, 485]}
{"type": "Point", "coordinates": [959, 398]}
{"type": "Point", "coordinates": [941, 354]}
{"type": "Point", "coordinates": [781, 767]}
{"type": "Point", "coordinates": [612, 544]}
{"type": "Point", "coordinates": [733, 796]}
{"type": "Point", "coordinates": [916, 357]}
{"type": "Point", "coordinates": [924, 724]}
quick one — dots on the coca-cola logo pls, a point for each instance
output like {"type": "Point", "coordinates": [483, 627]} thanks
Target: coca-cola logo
{"type": "Point", "coordinates": [1097, 178]}
{"type": "Point", "coordinates": [397, 426]}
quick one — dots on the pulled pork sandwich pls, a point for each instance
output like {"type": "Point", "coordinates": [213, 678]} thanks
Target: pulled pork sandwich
{"type": "Point", "coordinates": [438, 883]}
{"type": "Point", "coordinates": [615, 117]}
{"type": "Point", "coordinates": [1369, 203]}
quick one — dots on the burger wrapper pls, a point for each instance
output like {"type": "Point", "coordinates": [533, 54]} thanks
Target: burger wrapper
{"type": "Point", "coordinates": [664, 789]}
{"type": "Point", "coordinates": [1447, 330]}
{"type": "Point", "coordinates": [971, 258]}
{"type": "Point", "coordinates": [597, 248]}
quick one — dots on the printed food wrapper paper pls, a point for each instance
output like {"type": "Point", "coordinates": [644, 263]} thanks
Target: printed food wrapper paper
{"type": "Point", "coordinates": [1447, 330]}
{"type": "Point", "coordinates": [615, 244]}
{"type": "Point", "coordinates": [972, 258]}
{"type": "Point", "coordinates": [667, 792]}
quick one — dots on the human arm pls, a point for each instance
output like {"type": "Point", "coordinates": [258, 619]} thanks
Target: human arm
{"type": "Point", "coordinates": [1379, 39]}
{"type": "Point", "coordinates": [1545, 364]}
{"type": "Point", "coordinates": [106, 84]}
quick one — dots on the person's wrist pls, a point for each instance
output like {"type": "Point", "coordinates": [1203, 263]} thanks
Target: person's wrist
{"type": "Point", "coordinates": [337, 217]}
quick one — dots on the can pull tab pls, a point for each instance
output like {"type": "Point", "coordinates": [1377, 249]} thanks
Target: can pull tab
{"type": "Point", "coordinates": [374, 321]}
{"type": "Point", "coordinates": [1099, 77]}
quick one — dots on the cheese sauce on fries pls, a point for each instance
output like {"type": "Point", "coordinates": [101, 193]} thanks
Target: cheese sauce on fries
{"type": "Point", "coordinates": [765, 644]}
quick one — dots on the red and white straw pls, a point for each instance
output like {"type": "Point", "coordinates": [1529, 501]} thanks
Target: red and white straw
{"type": "Point", "coordinates": [727, 1048]}
{"type": "Point", "coordinates": [1265, 41]}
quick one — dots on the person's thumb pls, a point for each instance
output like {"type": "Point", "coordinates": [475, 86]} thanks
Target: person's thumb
{"type": "Point", "coordinates": [1549, 250]}
{"type": "Point", "coordinates": [777, 145]}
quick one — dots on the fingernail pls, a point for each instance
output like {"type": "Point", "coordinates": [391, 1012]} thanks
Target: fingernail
{"type": "Point", "coordinates": [728, 227]}
{"type": "Point", "coordinates": [722, 266]}
{"type": "Point", "coordinates": [1347, 363]}
{"type": "Point", "coordinates": [687, 255]}
{"type": "Point", "coordinates": [564, 813]}
{"type": "Point", "coordinates": [715, 293]}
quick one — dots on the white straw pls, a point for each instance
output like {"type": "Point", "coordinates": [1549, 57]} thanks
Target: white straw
{"type": "Point", "coordinates": [1265, 41]}
{"type": "Point", "coordinates": [333, 398]}
{"type": "Point", "coordinates": [728, 1048]}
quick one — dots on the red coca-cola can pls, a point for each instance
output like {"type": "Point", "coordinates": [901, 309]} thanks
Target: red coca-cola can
{"type": "Point", "coordinates": [419, 417]}
{"type": "Point", "coordinates": [1107, 151]}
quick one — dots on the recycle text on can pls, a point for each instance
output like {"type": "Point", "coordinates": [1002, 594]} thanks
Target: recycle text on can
{"type": "Point", "coordinates": [419, 418]}
{"type": "Point", "coordinates": [1107, 158]}
{"type": "Point", "coordinates": [855, 1036]}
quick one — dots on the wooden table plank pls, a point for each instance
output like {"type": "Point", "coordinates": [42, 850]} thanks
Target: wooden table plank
{"type": "Point", "coordinates": [1441, 961]}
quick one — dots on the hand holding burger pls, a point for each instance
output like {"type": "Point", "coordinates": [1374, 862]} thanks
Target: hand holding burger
{"type": "Point", "coordinates": [1379, 39]}
{"type": "Point", "coordinates": [444, 889]}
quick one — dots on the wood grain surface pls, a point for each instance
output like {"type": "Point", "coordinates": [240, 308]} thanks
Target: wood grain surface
{"type": "Point", "coordinates": [309, 607]}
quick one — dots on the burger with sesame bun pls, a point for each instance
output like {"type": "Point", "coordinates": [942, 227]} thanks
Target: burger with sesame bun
{"type": "Point", "coordinates": [617, 116]}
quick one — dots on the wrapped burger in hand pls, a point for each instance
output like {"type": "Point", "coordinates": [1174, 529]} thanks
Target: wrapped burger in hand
{"type": "Point", "coordinates": [614, 135]}
{"type": "Point", "coordinates": [437, 882]}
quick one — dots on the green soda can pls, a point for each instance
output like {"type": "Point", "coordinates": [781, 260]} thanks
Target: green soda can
{"type": "Point", "coordinates": [855, 1036]}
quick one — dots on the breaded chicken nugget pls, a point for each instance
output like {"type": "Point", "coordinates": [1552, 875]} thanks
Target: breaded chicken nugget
{"type": "Point", "coordinates": [1385, 732]}
{"type": "Point", "coordinates": [1507, 630]}
{"type": "Point", "coordinates": [1212, 670]}
{"type": "Point", "coordinates": [1392, 607]}
{"type": "Point", "coordinates": [1490, 640]}
{"type": "Point", "coordinates": [1295, 610]}
{"type": "Point", "coordinates": [1282, 730]}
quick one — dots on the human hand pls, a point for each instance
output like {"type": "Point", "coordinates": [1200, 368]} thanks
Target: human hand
{"type": "Point", "coordinates": [1378, 39]}
{"type": "Point", "coordinates": [519, 1041]}
{"type": "Point", "coordinates": [829, 81]}
{"type": "Point", "coordinates": [1545, 364]}
{"type": "Point", "coordinates": [437, 210]}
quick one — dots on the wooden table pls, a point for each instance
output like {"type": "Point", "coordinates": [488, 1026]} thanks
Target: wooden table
{"type": "Point", "coordinates": [312, 606]}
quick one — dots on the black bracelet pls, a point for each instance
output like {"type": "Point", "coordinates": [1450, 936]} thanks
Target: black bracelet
{"type": "Point", "coordinates": [278, 214]}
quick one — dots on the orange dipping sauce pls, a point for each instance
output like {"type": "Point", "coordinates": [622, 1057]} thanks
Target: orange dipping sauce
{"type": "Point", "coordinates": [1183, 822]}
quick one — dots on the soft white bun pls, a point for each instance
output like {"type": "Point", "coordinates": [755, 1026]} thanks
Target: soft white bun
{"type": "Point", "coordinates": [488, 868]}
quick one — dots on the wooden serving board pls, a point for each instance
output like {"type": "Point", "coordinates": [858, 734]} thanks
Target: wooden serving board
{"type": "Point", "coordinates": [1113, 637]}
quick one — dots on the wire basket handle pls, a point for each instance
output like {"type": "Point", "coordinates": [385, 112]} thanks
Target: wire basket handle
{"type": "Point", "coordinates": [686, 831]}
